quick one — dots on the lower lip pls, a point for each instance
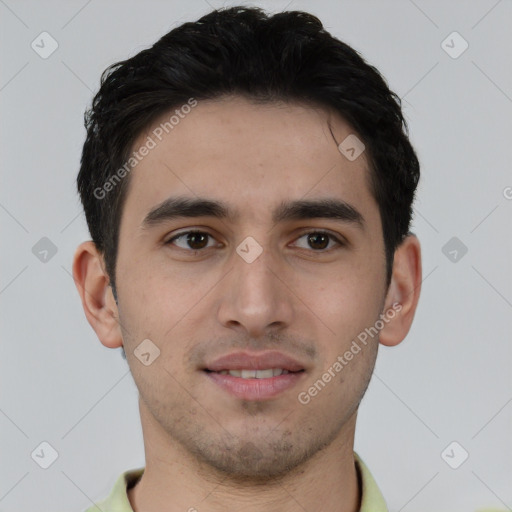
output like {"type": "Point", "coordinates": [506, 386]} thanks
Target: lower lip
{"type": "Point", "coordinates": [255, 389]}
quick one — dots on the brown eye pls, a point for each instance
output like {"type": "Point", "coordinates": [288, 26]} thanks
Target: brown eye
{"type": "Point", "coordinates": [194, 240]}
{"type": "Point", "coordinates": [319, 240]}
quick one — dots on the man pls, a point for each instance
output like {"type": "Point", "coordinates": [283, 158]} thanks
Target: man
{"type": "Point", "coordinates": [248, 185]}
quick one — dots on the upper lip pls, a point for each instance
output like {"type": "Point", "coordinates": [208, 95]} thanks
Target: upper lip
{"type": "Point", "coordinates": [255, 361]}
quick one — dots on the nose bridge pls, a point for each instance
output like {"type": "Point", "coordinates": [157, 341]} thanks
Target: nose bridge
{"type": "Point", "coordinates": [253, 266]}
{"type": "Point", "coordinates": [253, 272]}
{"type": "Point", "coordinates": [254, 296]}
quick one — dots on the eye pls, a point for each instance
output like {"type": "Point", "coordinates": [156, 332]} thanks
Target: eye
{"type": "Point", "coordinates": [196, 240]}
{"type": "Point", "coordinates": [319, 240]}
{"type": "Point", "coordinates": [191, 240]}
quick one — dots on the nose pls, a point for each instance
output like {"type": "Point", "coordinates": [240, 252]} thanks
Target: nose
{"type": "Point", "coordinates": [256, 299]}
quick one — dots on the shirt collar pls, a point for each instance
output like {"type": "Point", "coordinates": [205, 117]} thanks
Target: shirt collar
{"type": "Point", "coordinates": [117, 501]}
{"type": "Point", "coordinates": [372, 499]}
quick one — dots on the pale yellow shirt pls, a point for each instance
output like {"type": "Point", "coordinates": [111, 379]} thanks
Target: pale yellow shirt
{"type": "Point", "coordinates": [117, 501]}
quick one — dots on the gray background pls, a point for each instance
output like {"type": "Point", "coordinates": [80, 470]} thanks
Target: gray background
{"type": "Point", "coordinates": [450, 380]}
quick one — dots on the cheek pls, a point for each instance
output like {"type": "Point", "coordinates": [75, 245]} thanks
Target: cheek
{"type": "Point", "coordinates": [344, 308]}
{"type": "Point", "coordinates": [347, 307]}
{"type": "Point", "coordinates": [146, 312]}
{"type": "Point", "coordinates": [161, 303]}
{"type": "Point", "coordinates": [347, 300]}
{"type": "Point", "coordinates": [150, 285]}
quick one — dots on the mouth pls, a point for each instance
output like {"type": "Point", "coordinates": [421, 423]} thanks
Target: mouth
{"type": "Point", "coordinates": [255, 385]}
{"type": "Point", "coordinates": [255, 377]}
{"type": "Point", "coordinates": [255, 374]}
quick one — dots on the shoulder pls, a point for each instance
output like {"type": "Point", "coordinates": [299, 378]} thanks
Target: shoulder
{"type": "Point", "coordinates": [117, 500]}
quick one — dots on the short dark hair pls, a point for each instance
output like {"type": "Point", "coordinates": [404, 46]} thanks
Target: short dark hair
{"type": "Point", "coordinates": [288, 56]}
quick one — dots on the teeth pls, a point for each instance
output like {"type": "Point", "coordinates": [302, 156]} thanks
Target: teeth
{"type": "Point", "coordinates": [263, 374]}
{"type": "Point", "coordinates": [255, 374]}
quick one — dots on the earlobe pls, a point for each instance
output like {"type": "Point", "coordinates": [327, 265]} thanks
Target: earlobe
{"type": "Point", "coordinates": [98, 302]}
{"type": "Point", "coordinates": [403, 292]}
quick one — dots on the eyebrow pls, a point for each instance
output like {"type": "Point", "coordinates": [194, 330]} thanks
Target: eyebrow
{"type": "Point", "coordinates": [302, 209]}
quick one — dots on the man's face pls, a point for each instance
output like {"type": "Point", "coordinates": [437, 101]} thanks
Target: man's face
{"type": "Point", "coordinates": [306, 296]}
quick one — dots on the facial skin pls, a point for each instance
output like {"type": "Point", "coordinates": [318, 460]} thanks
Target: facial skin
{"type": "Point", "coordinates": [204, 447]}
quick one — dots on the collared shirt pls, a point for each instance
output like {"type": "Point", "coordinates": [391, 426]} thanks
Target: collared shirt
{"type": "Point", "coordinates": [117, 501]}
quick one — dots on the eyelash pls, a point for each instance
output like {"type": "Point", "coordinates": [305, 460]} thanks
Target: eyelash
{"type": "Point", "coordinates": [316, 232]}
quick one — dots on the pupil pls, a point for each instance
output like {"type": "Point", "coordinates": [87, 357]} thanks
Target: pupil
{"type": "Point", "coordinates": [313, 239]}
{"type": "Point", "coordinates": [192, 238]}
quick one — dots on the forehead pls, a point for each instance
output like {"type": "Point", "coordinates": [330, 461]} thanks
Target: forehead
{"type": "Point", "coordinates": [252, 156]}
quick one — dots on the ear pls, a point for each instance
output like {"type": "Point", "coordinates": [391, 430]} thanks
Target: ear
{"type": "Point", "coordinates": [93, 284]}
{"type": "Point", "coordinates": [403, 292]}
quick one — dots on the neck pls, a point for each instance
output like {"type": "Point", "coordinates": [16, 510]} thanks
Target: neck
{"type": "Point", "coordinates": [175, 480]}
